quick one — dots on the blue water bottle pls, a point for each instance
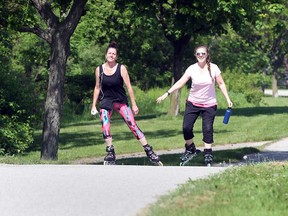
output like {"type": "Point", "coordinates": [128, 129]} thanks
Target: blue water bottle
{"type": "Point", "coordinates": [227, 115]}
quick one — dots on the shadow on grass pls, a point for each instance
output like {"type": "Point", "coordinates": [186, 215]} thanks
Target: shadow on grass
{"type": "Point", "coordinates": [82, 139]}
{"type": "Point", "coordinates": [71, 140]}
{"type": "Point", "coordinates": [220, 157]}
{"type": "Point", "coordinates": [253, 111]}
{"type": "Point", "coordinates": [115, 118]}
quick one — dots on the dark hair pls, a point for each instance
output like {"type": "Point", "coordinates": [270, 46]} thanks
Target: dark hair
{"type": "Point", "coordinates": [112, 44]}
{"type": "Point", "coordinates": [208, 60]}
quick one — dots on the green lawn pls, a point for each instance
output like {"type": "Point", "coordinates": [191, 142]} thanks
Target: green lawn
{"type": "Point", "coordinates": [83, 139]}
{"type": "Point", "coordinates": [253, 190]}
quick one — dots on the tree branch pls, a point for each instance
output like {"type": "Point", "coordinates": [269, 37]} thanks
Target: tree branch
{"type": "Point", "coordinates": [75, 13]}
{"type": "Point", "coordinates": [44, 9]}
{"type": "Point", "coordinates": [38, 31]}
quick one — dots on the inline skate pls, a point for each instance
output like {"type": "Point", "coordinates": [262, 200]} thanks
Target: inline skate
{"type": "Point", "coordinates": [189, 154]}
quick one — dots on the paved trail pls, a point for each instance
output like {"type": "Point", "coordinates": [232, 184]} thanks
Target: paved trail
{"type": "Point", "coordinates": [88, 190]}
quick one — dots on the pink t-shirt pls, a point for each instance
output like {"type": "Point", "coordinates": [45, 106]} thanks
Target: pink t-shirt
{"type": "Point", "coordinates": [202, 92]}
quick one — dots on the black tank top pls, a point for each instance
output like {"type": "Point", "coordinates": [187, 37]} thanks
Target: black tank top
{"type": "Point", "coordinates": [112, 86]}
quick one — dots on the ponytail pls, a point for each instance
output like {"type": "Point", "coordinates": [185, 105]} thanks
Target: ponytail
{"type": "Point", "coordinates": [209, 66]}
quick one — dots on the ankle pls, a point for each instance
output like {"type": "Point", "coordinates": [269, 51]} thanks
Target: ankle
{"type": "Point", "coordinates": [208, 151]}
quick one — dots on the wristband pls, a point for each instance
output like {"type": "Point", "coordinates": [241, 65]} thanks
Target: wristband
{"type": "Point", "coordinates": [168, 93]}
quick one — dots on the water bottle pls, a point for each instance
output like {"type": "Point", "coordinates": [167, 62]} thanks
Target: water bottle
{"type": "Point", "coordinates": [227, 115]}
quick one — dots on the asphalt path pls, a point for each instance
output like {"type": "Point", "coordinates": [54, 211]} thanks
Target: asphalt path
{"type": "Point", "coordinates": [95, 190]}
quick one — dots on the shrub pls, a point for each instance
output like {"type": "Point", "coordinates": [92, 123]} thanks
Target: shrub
{"type": "Point", "coordinates": [15, 136]}
{"type": "Point", "coordinates": [248, 84]}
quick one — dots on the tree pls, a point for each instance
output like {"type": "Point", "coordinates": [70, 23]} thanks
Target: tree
{"type": "Point", "coordinates": [142, 46]}
{"type": "Point", "coordinates": [16, 109]}
{"type": "Point", "coordinates": [269, 36]}
{"type": "Point", "coordinates": [182, 21]}
{"type": "Point", "coordinates": [276, 35]}
{"type": "Point", "coordinates": [56, 31]}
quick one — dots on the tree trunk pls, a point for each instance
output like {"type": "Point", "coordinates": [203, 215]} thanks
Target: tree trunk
{"type": "Point", "coordinates": [54, 99]}
{"type": "Point", "coordinates": [274, 86]}
{"type": "Point", "coordinates": [179, 47]}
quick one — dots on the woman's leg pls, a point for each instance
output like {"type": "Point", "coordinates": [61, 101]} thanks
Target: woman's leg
{"type": "Point", "coordinates": [190, 116]}
{"type": "Point", "coordinates": [126, 112]}
{"type": "Point", "coordinates": [208, 117]}
{"type": "Point", "coordinates": [105, 121]}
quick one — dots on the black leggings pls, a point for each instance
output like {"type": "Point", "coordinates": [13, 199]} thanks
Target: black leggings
{"type": "Point", "coordinates": [190, 116]}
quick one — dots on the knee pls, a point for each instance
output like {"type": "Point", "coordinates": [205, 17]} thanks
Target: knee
{"type": "Point", "coordinates": [187, 129]}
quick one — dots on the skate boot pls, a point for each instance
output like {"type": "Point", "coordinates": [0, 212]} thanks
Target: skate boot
{"type": "Point", "coordinates": [189, 154]}
{"type": "Point", "coordinates": [154, 158]}
{"type": "Point", "coordinates": [208, 157]}
{"type": "Point", "coordinates": [110, 157]}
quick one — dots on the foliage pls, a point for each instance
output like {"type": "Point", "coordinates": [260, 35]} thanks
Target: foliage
{"type": "Point", "coordinates": [269, 35]}
{"type": "Point", "coordinates": [79, 90]}
{"type": "Point", "coordinates": [145, 52]}
{"type": "Point", "coordinates": [16, 107]}
{"type": "Point", "coordinates": [16, 115]}
{"type": "Point", "coordinates": [15, 136]}
{"type": "Point", "coordinates": [248, 84]}
{"type": "Point", "coordinates": [233, 52]}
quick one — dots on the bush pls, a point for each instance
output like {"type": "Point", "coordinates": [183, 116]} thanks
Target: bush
{"type": "Point", "coordinates": [15, 136]}
{"type": "Point", "coordinates": [146, 101]}
{"type": "Point", "coordinates": [18, 110]}
{"type": "Point", "coordinates": [248, 84]}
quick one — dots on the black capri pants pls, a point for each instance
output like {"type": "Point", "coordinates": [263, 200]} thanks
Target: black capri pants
{"type": "Point", "coordinates": [190, 116]}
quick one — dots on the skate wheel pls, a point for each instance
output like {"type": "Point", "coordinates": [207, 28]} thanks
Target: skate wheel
{"type": "Point", "coordinates": [209, 165]}
{"type": "Point", "coordinates": [159, 163]}
{"type": "Point", "coordinates": [109, 163]}
{"type": "Point", "coordinates": [181, 164]}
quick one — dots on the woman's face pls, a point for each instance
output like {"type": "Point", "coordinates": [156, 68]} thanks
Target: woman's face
{"type": "Point", "coordinates": [111, 55]}
{"type": "Point", "coordinates": [201, 54]}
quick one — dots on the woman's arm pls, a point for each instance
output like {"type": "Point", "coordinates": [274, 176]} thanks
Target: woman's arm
{"type": "Point", "coordinates": [179, 84]}
{"type": "Point", "coordinates": [126, 78]}
{"type": "Point", "coordinates": [96, 92]}
{"type": "Point", "coordinates": [223, 89]}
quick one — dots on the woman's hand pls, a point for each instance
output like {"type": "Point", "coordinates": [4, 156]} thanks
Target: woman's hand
{"type": "Point", "coordinates": [94, 111]}
{"type": "Point", "coordinates": [161, 98]}
{"type": "Point", "coordinates": [135, 109]}
{"type": "Point", "coordinates": [230, 104]}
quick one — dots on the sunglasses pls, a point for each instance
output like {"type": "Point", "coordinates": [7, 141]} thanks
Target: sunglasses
{"type": "Point", "coordinates": [201, 53]}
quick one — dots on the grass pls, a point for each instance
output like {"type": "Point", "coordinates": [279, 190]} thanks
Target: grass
{"type": "Point", "coordinates": [83, 139]}
{"type": "Point", "coordinates": [256, 189]}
